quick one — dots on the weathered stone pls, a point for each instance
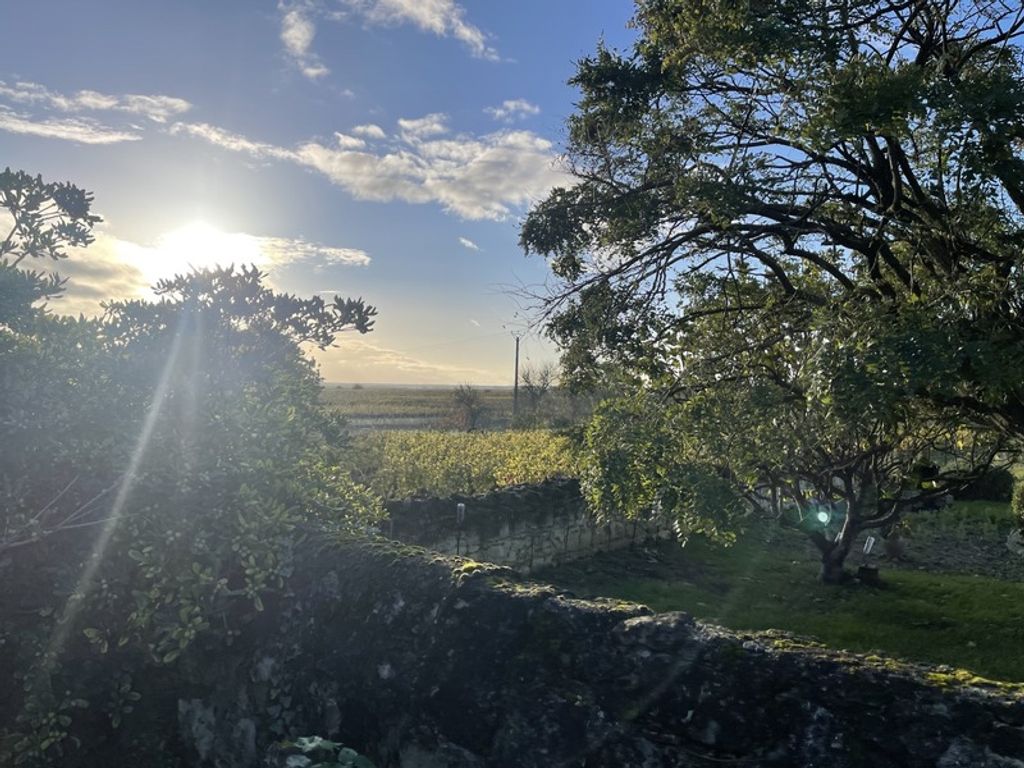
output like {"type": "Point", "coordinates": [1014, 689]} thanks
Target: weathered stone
{"type": "Point", "coordinates": [419, 660]}
{"type": "Point", "coordinates": [525, 527]}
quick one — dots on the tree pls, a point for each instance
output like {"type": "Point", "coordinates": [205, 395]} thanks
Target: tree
{"type": "Point", "coordinates": [158, 467]}
{"type": "Point", "coordinates": [771, 415]}
{"type": "Point", "coordinates": [536, 383]}
{"type": "Point", "coordinates": [43, 219]}
{"type": "Point", "coordinates": [876, 142]}
{"type": "Point", "coordinates": [858, 162]}
{"type": "Point", "coordinates": [467, 408]}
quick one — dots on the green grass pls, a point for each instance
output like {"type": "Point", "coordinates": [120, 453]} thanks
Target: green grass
{"type": "Point", "coordinates": [969, 622]}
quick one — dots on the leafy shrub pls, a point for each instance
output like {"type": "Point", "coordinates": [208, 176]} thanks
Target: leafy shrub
{"type": "Point", "coordinates": [157, 469]}
{"type": "Point", "coordinates": [1017, 504]}
{"type": "Point", "coordinates": [995, 485]}
{"type": "Point", "coordinates": [315, 752]}
{"type": "Point", "coordinates": [402, 464]}
{"type": "Point", "coordinates": [633, 465]}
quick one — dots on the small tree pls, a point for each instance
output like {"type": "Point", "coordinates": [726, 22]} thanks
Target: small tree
{"type": "Point", "coordinates": [467, 408]}
{"type": "Point", "coordinates": [535, 384]}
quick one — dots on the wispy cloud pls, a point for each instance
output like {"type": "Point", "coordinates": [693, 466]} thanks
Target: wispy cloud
{"type": "Point", "coordinates": [349, 142]}
{"type": "Point", "coordinates": [233, 141]}
{"type": "Point", "coordinates": [374, 362]}
{"type": "Point", "coordinates": [155, 107]}
{"type": "Point", "coordinates": [444, 18]}
{"type": "Point", "coordinates": [417, 129]}
{"type": "Point", "coordinates": [285, 251]}
{"type": "Point", "coordinates": [370, 131]}
{"type": "Point", "coordinates": [474, 177]}
{"type": "Point", "coordinates": [513, 109]}
{"type": "Point", "coordinates": [78, 129]}
{"type": "Point", "coordinates": [297, 33]}
{"type": "Point", "coordinates": [35, 110]}
{"type": "Point", "coordinates": [467, 243]}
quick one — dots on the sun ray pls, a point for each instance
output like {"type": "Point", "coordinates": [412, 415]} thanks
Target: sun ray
{"type": "Point", "coordinates": [85, 583]}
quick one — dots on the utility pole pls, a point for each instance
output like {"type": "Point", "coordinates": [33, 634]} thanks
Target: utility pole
{"type": "Point", "coordinates": [515, 386]}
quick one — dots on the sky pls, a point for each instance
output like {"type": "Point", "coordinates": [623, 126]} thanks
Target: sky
{"type": "Point", "coordinates": [378, 148]}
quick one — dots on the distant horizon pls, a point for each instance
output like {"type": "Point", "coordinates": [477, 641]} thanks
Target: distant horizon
{"type": "Point", "coordinates": [405, 385]}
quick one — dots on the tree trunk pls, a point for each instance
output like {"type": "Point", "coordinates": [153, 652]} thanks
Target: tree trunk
{"type": "Point", "coordinates": [832, 571]}
{"type": "Point", "coordinates": [833, 553]}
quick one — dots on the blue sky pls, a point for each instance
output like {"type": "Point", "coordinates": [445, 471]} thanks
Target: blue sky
{"type": "Point", "coordinates": [382, 148]}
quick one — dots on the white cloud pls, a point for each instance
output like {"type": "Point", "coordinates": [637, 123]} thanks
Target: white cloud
{"type": "Point", "coordinates": [297, 33]}
{"type": "Point", "coordinates": [78, 129]}
{"type": "Point", "coordinates": [444, 18]}
{"type": "Point", "coordinates": [370, 131]}
{"type": "Point", "coordinates": [281, 251]}
{"type": "Point", "coordinates": [416, 129]}
{"type": "Point", "coordinates": [513, 109]}
{"type": "Point", "coordinates": [157, 108]}
{"type": "Point", "coordinates": [233, 141]}
{"type": "Point", "coordinates": [474, 323]}
{"type": "Point", "coordinates": [349, 142]}
{"type": "Point", "coordinates": [482, 177]}
{"type": "Point", "coordinates": [467, 243]}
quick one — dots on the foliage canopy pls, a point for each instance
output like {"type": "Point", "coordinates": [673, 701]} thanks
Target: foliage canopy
{"type": "Point", "coordinates": [158, 467]}
{"type": "Point", "coordinates": [874, 143]}
{"type": "Point", "coordinates": [797, 228]}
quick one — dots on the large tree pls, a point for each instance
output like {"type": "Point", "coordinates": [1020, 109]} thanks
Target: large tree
{"type": "Point", "coordinates": [798, 225]}
{"type": "Point", "coordinates": [764, 410]}
{"type": "Point", "coordinates": [875, 142]}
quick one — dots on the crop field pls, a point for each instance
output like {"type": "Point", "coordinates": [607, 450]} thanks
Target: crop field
{"type": "Point", "coordinates": [398, 464]}
{"type": "Point", "coordinates": [372, 407]}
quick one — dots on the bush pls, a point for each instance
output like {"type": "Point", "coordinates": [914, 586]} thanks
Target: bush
{"type": "Point", "coordinates": [157, 470]}
{"type": "Point", "coordinates": [1017, 504]}
{"type": "Point", "coordinates": [994, 485]}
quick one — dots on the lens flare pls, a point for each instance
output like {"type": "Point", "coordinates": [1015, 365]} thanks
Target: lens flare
{"type": "Point", "coordinates": [85, 582]}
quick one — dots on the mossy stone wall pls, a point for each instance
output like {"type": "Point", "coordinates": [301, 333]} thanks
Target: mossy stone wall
{"type": "Point", "coordinates": [524, 527]}
{"type": "Point", "coordinates": [423, 661]}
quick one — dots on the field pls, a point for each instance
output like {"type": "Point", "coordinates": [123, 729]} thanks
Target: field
{"type": "Point", "coordinates": [373, 407]}
{"type": "Point", "coordinates": [399, 464]}
{"type": "Point", "coordinates": [949, 604]}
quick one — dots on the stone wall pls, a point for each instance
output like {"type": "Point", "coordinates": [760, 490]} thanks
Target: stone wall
{"type": "Point", "coordinates": [524, 527]}
{"type": "Point", "coordinates": [429, 662]}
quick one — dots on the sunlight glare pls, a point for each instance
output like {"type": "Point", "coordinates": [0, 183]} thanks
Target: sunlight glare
{"type": "Point", "coordinates": [198, 245]}
{"type": "Point", "coordinates": [75, 602]}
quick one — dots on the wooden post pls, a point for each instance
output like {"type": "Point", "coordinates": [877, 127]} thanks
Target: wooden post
{"type": "Point", "coordinates": [515, 385]}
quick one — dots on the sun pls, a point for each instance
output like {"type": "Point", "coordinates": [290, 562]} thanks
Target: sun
{"type": "Point", "coordinates": [197, 245]}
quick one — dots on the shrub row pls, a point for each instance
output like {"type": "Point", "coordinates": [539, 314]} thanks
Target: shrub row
{"type": "Point", "coordinates": [403, 464]}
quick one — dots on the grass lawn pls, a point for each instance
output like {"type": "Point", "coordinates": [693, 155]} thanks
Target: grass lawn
{"type": "Point", "coordinates": [970, 622]}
